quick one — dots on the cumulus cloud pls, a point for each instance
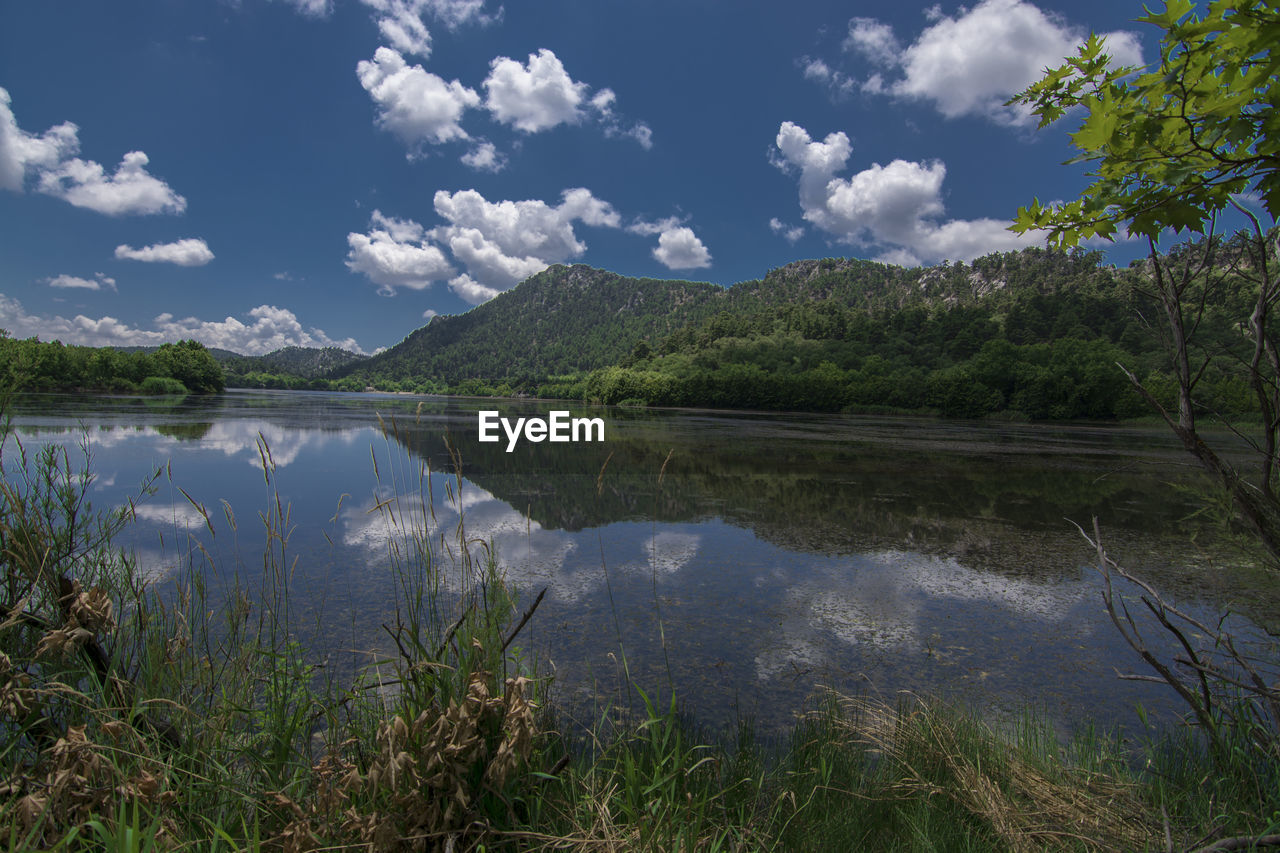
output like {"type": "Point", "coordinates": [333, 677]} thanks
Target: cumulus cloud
{"type": "Point", "coordinates": [98, 282]}
{"type": "Point", "coordinates": [455, 13]}
{"type": "Point", "coordinates": [408, 14]}
{"type": "Point", "coordinates": [873, 39]}
{"type": "Point", "coordinates": [22, 153]}
{"type": "Point", "coordinates": [503, 243]}
{"type": "Point", "coordinates": [897, 206]}
{"type": "Point", "coordinates": [787, 232]}
{"type": "Point", "coordinates": [396, 253]}
{"type": "Point", "coordinates": [680, 249]}
{"type": "Point", "coordinates": [500, 243]}
{"type": "Point", "coordinates": [484, 157]}
{"type": "Point", "coordinates": [471, 290]}
{"type": "Point", "coordinates": [83, 183]}
{"type": "Point", "coordinates": [417, 106]}
{"type": "Point", "coordinates": [131, 189]}
{"type": "Point", "coordinates": [970, 64]}
{"type": "Point", "coordinates": [641, 133]}
{"type": "Point", "coordinates": [269, 328]}
{"type": "Point", "coordinates": [536, 96]}
{"type": "Point", "coordinates": [312, 8]}
{"type": "Point", "coordinates": [839, 83]}
{"type": "Point", "coordinates": [403, 18]}
{"type": "Point", "coordinates": [602, 104]}
{"type": "Point", "coordinates": [540, 95]}
{"type": "Point", "coordinates": [190, 252]}
{"type": "Point", "coordinates": [400, 22]}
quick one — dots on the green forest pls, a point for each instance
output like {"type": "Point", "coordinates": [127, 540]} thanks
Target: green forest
{"type": "Point", "coordinates": [1036, 334]}
{"type": "Point", "coordinates": [185, 367]}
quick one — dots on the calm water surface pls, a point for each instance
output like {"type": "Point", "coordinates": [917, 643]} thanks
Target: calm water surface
{"type": "Point", "coordinates": [768, 553]}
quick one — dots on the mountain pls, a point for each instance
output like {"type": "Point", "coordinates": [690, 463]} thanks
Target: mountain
{"type": "Point", "coordinates": [561, 320]}
{"type": "Point", "coordinates": [304, 362]}
{"type": "Point", "coordinates": [569, 319]}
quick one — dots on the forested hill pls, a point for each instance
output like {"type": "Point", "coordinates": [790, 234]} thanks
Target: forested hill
{"type": "Point", "coordinates": [880, 289]}
{"type": "Point", "coordinates": [573, 319]}
{"type": "Point", "coordinates": [303, 362]}
{"type": "Point", "coordinates": [563, 319]}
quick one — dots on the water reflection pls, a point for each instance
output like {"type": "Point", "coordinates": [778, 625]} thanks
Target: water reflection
{"type": "Point", "coordinates": [742, 557]}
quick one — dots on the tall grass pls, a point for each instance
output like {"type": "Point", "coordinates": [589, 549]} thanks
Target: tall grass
{"type": "Point", "coordinates": [134, 718]}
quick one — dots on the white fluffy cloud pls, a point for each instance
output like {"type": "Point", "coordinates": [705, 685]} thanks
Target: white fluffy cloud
{"type": "Point", "coordinates": [451, 13]}
{"type": "Point", "coordinates": [22, 152]}
{"type": "Point", "coordinates": [98, 282]}
{"type": "Point", "coordinates": [400, 22]}
{"type": "Point", "coordinates": [641, 133]}
{"type": "Point", "coordinates": [83, 183]}
{"type": "Point", "coordinates": [396, 253]}
{"type": "Point", "coordinates": [895, 206]}
{"type": "Point", "coordinates": [417, 106]}
{"type": "Point", "coordinates": [422, 109]}
{"type": "Point", "coordinates": [838, 82]}
{"type": "Point", "coordinates": [503, 243]}
{"type": "Point", "coordinates": [269, 328]}
{"type": "Point", "coordinates": [131, 189]}
{"type": "Point", "coordinates": [190, 252]}
{"type": "Point", "coordinates": [471, 290]}
{"type": "Point", "coordinates": [970, 64]}
{"type": "Point", "coordinates": [873, 39]}
{"type": "Point", "coordinates": [455, 13]}
{"type": "Point", "coordinates": [500, 243]}
{"type": "Point", "coordinates": [312, 8]}
{"type": "Point", "coordinates": [484, 157]}
{"type": "Point", "coordinates": [602, 104]}
{"type": "Point", "coordinates": [540, 95]}
{"type": "Point", "coordinates": [680, 249]}
{"type": "Point", "coordinates": [789, 233]}
{"type": "Point", "coordinates": [536, 96]}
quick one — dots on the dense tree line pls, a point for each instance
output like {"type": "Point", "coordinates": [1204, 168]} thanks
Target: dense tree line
{"type": "Point", "coordinates": [1037, 334]}
{"type": "Point", "coordinates": [1048, 348]}
{"type": "Point", "coordinates": [181, 368]}
{"type": "Point", "coordinates": [1033, 334]}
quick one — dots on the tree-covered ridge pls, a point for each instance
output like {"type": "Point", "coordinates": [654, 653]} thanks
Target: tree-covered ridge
{"type": "Point", "coordinates": [561, 320]}
{"type": "Point", "coordinates": [180, 368]}
{"type": "Point", "coordinates": [571, 320]}
{"type": "Point", "coordinates": [302, 362]}
{"type": "Point", "coordinates": [1037, 333]}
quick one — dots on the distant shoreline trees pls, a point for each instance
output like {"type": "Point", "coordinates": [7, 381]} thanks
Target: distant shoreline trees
{"type": "Point", "coordinates": [186, 367]}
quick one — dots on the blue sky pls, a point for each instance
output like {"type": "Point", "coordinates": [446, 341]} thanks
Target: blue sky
{"type": "Point", "coordinates": [262, 173]}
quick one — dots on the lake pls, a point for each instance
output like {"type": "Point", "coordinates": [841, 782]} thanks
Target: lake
{"type": "Point", "coordinates": [744, 558]}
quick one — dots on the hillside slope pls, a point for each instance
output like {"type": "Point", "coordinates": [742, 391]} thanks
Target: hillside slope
{"type": "Point", "coordinates": [561, 320]}
{"type": "Point", "coordinates": [575, 318]}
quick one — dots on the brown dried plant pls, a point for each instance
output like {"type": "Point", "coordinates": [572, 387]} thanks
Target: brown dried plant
{"type": "Point", "coordinates": [422, 787]}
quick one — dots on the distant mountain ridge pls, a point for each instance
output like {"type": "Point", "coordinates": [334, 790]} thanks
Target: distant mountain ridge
{"type": "Point", "coordinates": [305, 362]}
{"type": "Point", "coordinates": [308, 362]}
{"type": "Point", "coordinates": [567, 319]}
{"type": "Point", "coordinates": [561, 320]}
